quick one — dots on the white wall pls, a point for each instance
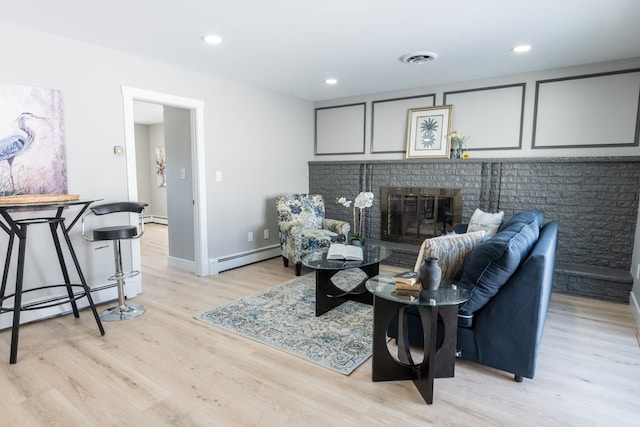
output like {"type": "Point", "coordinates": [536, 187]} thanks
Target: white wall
{"type": "Point", "coordinates": [526, 150]}
{"type": "Point", "coordinates": [259, 140]}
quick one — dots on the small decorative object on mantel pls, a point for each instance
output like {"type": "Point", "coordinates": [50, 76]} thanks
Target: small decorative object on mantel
{"type": "Point", "coordinates": [458, 145]}
{"type": "Point", "coordinates": [363, 200]}
{"type": "Point", "coordinates": [430, 274]}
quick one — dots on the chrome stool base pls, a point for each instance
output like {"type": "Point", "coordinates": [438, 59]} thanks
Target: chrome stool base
{"type": "Point", "coordinates": [122, 312]}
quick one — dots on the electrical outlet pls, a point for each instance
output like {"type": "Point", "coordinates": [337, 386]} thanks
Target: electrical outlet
{"type": "Point", "coordinates": [266, 233]}
{"type": "Point", "coordinates": [250, 236]}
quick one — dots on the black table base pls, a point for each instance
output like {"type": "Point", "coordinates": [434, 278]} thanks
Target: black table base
{"type": "Point", "coordinates": [75, 291]}
{"type": "Point", "coordinates": [329, 296]}
{"type": "Point", "coordinates": [439, 348]}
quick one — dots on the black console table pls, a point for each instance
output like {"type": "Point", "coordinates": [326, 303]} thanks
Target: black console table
{"type": "Point", "coordinates": [15, 223]}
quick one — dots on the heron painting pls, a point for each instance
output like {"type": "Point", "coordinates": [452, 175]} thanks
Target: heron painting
{"type": "Point", "coordinates": [32, 155]}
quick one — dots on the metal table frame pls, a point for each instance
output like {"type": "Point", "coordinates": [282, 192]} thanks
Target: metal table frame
{"type": "Point", "coordinates": [18, 228]}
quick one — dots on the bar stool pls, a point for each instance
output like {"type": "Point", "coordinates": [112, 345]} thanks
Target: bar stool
{"type": "Point", "coordinates": [116, 233]}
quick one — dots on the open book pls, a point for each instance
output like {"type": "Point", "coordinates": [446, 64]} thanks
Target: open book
{"type": "Point", "coordinates": [340, 251]}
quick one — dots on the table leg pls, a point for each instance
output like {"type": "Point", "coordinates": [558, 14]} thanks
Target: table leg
{"type": "Point", "coordinates": [63, 266]}
{"type": "Point", "coordinates": [424, 380]}
{"type": "Point", "coordinates": [329, 296]}
{"type": "Point", "coordinates": [447, 334]}
{"type": "Point", "coordinates": [7, 264]}
{"type": "Point", "coordinates": [384, 366]}
{"type": "Point", "coordinates": [83, 281]}
{"type": "Point", "coordinates": [17, 303]}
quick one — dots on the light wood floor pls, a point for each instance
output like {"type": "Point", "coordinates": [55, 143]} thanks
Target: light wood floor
{"type": "Point", "coordinates": [166, 368]}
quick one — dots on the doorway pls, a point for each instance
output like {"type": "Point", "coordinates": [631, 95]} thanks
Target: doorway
{"type": "Point", "coordinates": [151, 160]}
{"type": "Point", "coordinates": [195, 209]}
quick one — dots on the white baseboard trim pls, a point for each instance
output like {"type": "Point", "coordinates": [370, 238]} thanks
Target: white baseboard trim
{"type": "Point", "coordinates": [635, 309]}
{"type": "Point", "coordinates": [156, 219]}
{"type": "Point", "coordinates": [217, 265]}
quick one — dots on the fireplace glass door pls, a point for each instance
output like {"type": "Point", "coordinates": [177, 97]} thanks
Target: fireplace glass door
{"type": "Point", "coordinates": [412, 215]}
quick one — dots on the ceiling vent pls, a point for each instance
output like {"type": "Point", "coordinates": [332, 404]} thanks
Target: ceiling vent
{"type": "Point", "coordinates": [419, 57]}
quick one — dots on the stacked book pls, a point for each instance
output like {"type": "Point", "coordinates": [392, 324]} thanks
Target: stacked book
{"type": "Point", "coordinates": [407, 280]}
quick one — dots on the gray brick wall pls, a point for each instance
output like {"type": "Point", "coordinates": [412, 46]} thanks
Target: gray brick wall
{"type": "Point", "coordinates": [595, 201]}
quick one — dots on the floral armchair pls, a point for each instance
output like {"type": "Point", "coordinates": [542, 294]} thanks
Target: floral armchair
{"type": "Point", "coordinates": [303, 228]}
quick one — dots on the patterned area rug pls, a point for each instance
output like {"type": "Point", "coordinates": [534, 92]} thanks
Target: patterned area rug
{"type": "Point", "coordinates": [284, 317]}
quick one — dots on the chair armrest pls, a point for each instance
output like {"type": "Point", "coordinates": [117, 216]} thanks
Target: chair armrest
{"type": "Point", "coordinates": [290, 228]}
{"type": "Point", "coordinates": [337, 226]}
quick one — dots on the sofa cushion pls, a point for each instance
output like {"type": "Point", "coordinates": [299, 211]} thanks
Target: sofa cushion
{"type": "Point", "coordinates": [451, 251]}
{"type": "Point", "coordinates": [492, 263]}
{"type": "Point", "coordinates": [488, 222]}
{"type": "Point", "coordinates": [527, 217]}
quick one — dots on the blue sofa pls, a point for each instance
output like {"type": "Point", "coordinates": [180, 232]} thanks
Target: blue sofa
{"type": "Point", "coordinates": [511, 276]}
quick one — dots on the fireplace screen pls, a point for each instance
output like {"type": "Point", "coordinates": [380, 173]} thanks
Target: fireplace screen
{"type": "Point", "coordinates": [411, 215]}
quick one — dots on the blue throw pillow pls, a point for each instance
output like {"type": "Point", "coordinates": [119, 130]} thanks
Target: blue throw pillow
{"type": "Point", "coordinates": [526, 217]}
{"type": "Point", "coordinates": [491, 264]}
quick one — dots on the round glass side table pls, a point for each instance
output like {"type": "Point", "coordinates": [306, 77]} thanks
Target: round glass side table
{"type": "Point", "coordinates": [328, 295]}
{"type": "Point", "coordinates": [433, 308]}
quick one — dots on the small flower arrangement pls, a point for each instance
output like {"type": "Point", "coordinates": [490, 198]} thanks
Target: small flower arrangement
{"type": "Point", "coordinates": [363, 200]}
{"type": "Point", "coordinates": [458, 139]}
{"type": "Point", "coordinates": [458, 142]}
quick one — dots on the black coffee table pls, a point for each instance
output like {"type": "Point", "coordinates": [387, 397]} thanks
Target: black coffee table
{"type": "Point", "coordinates": [433, 307]}
{"type": "Point", "coordinates": [328, 295]}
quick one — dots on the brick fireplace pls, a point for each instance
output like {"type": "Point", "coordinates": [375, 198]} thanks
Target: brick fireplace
{"type": "Point", "coordinates": [595, 245]}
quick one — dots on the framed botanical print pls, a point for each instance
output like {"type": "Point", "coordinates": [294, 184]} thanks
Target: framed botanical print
{"type": "Point", "coordinates": [428, 132]}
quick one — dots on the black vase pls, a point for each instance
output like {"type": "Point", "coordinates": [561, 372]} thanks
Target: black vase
{"type": "Point", "coordinates": [430, 274]}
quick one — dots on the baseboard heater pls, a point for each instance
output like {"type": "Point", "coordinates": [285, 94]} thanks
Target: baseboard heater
{"type": "Point", "coordinates": [244, 258]}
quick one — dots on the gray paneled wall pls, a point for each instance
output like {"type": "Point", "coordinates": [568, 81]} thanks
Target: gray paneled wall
{"type": "Point", "coordinates": [575, 112]}
{"type": "Point", "coordinates": [595, 200]}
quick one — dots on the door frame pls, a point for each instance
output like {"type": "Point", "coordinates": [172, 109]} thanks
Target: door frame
{"type": "Point", "coordinates": [196, 107]}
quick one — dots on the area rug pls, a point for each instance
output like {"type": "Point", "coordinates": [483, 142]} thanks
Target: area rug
{"type": "Point", "coordinates": [284, 317]}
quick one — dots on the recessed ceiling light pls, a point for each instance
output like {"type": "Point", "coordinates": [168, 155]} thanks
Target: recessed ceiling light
{"type": "Point", "coordinates": [522, 48]}
{"type": "Point", "coordinates": [211, 39]}
{"type": "Point", "coordinates": [331, 81]}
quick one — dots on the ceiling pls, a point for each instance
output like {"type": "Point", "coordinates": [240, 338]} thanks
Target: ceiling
{"type": "Point", "coordinates": [292, 46]}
